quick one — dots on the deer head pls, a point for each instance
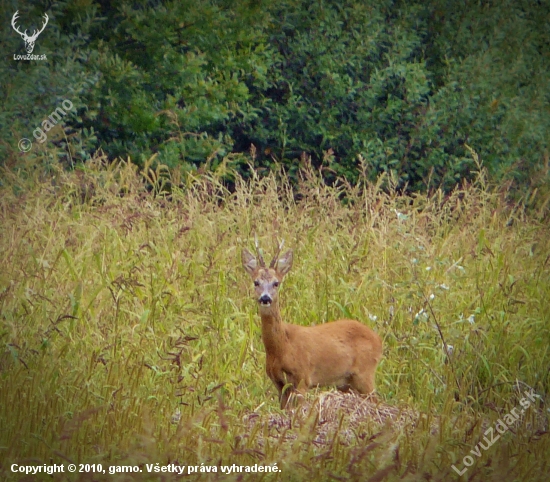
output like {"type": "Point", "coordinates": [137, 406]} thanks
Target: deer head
{"type": "Point", "coordinates": [266, 280]}
{"type": "Point", "coordinates": [29, 40]}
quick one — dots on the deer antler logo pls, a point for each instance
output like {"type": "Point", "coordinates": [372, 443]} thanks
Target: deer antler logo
{"type": "Point", "coordinates": [29, 40]}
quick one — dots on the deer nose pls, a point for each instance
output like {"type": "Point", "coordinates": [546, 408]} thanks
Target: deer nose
{"type": "Point", "coordinates": [265, 299]}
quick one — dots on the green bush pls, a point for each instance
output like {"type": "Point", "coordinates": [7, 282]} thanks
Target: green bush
{"type": "Point", "coordinates": [397, 87]}
{"type": "Point", "coordinates": [32, 90]}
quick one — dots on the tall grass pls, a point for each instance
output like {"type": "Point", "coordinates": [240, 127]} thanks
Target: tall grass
{"type": "Point", "coordinates": [129, 336]}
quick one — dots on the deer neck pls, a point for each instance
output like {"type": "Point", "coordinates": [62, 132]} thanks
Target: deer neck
{"type": "Point", "coordinates": [273, 331]}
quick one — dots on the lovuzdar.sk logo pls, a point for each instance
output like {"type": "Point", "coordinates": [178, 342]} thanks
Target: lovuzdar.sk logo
{"type": "Point", "coordinates": [29, 39]}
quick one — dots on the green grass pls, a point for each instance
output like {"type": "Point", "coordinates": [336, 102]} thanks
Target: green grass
{"type": "Point", "coordinates": [129, 336]}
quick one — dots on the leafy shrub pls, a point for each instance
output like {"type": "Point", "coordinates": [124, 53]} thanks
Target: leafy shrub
{"type": "Point", "coordinates": [397, 87]}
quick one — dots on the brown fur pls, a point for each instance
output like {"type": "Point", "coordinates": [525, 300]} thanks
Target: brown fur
{"type": "Point", "coordinates": [342, 353]}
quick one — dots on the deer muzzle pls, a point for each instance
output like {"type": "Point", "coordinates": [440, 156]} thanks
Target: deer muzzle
{"type": "Point", "coordinates": [265, 300]}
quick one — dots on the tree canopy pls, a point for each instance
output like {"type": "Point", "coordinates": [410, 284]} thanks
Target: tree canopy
{"type": "Point", "coordinates": [400, 87]}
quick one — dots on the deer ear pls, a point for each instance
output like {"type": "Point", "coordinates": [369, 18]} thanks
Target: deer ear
{"type": "Point", "coordinates": [250, 263]}
{"type": "Point", "coordinates": [284, 263]}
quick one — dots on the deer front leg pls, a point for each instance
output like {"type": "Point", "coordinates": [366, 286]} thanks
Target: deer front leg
{"type": "Point", "coordinates": [284, 390]}
{"type": "Point", "coordinates": [293, 390]}
{"type": "Point", "coordinates": [285, 394]}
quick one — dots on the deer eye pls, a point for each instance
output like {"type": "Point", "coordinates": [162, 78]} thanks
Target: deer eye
{"type": "Point", "coordinates": [256, 283]}
{"type": "Point", "coordinates": [275, 283]}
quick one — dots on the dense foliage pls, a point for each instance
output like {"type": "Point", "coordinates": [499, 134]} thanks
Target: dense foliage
{"type": "Point", "coordinates": [384, 86]}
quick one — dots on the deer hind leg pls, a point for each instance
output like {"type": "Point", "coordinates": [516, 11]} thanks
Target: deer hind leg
{"type": "Point", "coordinates": [363, 380]}
{"type": "Point", "coordinates": [346, 385]}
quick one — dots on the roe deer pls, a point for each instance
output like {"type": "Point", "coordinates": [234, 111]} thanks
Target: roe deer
{"type": "Point", "coordinates": [343, 353]}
